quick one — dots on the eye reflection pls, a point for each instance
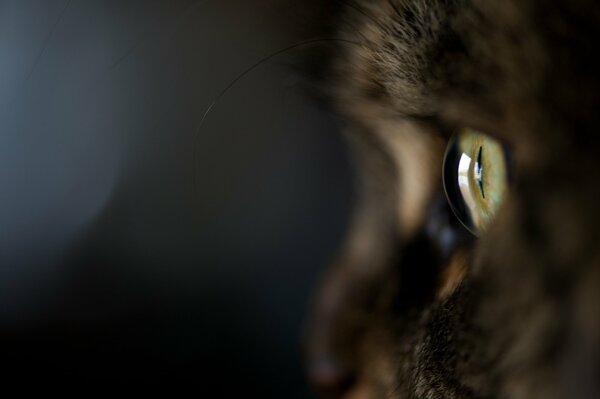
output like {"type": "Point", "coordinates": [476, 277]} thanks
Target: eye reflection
{"type": "Point", "coordinates": [475, 178]}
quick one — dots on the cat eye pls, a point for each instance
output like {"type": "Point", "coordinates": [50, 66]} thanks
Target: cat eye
{"type": "Point", "coordinates": [475, 178]}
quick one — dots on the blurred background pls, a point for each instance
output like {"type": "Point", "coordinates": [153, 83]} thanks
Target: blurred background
{"type": "Point", "coordinates": [136, 244]}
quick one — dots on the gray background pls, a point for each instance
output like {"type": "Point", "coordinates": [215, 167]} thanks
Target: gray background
{"type": "Point", "coordinates": [137, 245]}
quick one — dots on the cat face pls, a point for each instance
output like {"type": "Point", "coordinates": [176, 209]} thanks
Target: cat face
{"type": "Point", "coordinates": [415, 306]}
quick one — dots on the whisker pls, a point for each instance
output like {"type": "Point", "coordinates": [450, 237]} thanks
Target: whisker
{"type": "Point", "coordinates": [263, 60]}
{"type": "Point", "coordinates": [186, 11]}
{"type": "Point", "coordinates": [47, 41]}
{"type": "Point", "coordinates": [244, 74]}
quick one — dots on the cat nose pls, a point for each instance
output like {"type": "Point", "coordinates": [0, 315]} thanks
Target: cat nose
{"type": "Point", "coordinates": [330, 343]}
{"type": "Point", "coordinates": [328, 378]}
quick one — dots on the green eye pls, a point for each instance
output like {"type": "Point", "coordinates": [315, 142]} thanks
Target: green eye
{"type": "Point", "coordinates": [475, 178]}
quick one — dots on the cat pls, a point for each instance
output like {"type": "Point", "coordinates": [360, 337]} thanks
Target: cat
{"type": "Point", "coordinates": [415, 305]}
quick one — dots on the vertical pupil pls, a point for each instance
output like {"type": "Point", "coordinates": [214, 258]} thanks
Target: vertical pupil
{"type": "Point", "coordinates": [479, 172]}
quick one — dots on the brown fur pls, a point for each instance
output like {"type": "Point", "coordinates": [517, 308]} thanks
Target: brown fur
{"type": "Point", "coordinates": [520, 318]}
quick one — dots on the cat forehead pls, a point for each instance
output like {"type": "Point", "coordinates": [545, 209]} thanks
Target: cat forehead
{"type": "Point", "coordinates": [476, 62]}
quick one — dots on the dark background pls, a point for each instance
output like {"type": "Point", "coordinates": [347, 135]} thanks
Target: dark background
{"type": "Point", "coordinates": [137, 245]}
